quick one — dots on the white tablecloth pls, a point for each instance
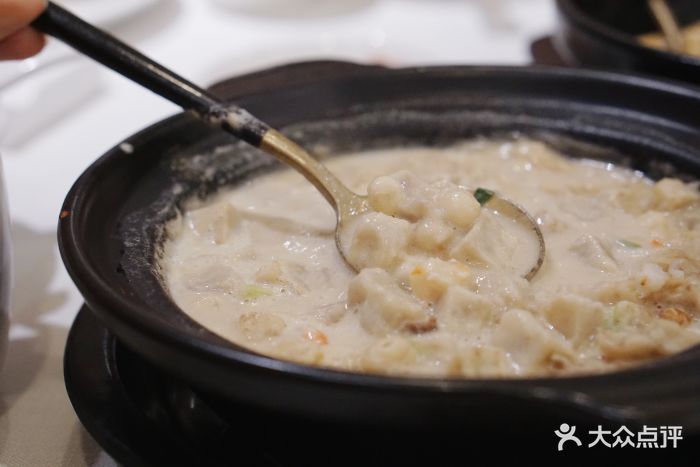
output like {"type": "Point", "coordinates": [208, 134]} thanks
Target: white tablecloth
{"type": "Point", "coordinates": [88, 109]}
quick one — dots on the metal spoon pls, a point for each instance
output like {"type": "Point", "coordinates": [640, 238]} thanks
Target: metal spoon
{"type": "Point", "coordinates": [121, 58]}
{"type": "Point", "coordinates": [669, 26]}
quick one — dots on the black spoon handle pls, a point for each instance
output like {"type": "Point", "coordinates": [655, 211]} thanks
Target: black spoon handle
{"type": "Point", "coordinates": [113, 53]}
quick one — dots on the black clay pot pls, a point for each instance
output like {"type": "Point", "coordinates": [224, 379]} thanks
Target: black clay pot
{"type": "Point", "coordinates": [111, 227]}
{"type": "Point", "coordinates": [602, 34]}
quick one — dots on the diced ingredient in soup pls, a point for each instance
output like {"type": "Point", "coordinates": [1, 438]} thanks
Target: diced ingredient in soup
{"type": "Point", "coordinates": [410, 217]}
{"type": "Point", "coordinates": [440, 291]}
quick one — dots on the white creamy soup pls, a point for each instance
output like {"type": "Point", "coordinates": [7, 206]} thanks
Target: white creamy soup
{"type": "Point", "coordinates": [441, 291]}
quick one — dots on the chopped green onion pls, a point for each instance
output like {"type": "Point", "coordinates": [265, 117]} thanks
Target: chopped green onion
{"type": "Point", "coordinates": [483, 195]}
{"type": "Point", "coordinates": [628, 244]}
{"type": "Point", "coordinates": [253, 292]}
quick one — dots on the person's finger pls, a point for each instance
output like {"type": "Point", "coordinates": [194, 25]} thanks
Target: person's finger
{"type": "Point", "coordinates": [16, 14]}
{"type": "Point", "coordinates": [22, 44]}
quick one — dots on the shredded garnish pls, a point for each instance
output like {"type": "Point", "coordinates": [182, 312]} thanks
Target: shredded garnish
{"type": "Point", "coordinates": [628, 243]}
{"type": "Point", "coordinates": [253, 292]}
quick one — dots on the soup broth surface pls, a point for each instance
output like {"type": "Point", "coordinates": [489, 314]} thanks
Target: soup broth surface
{"type": "Point", "coordinates": [441, 292]}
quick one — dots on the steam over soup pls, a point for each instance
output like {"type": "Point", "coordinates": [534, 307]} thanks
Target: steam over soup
{"type": "Point", "coordinates": [441, 290]}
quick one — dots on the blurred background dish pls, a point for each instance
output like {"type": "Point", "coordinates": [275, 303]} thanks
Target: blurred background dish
{"type": "Point", "coordinates": [690, 36]}
{"type": "Point", "coordinates": [605, 34]}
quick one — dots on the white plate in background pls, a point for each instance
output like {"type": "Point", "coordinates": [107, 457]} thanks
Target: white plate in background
{"type": "Point", "coordinates": [107, 12]}
{"type": "Point", "coordinates": [295, 8]}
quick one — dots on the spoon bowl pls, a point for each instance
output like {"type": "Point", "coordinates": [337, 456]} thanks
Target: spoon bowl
{"type": "Point", "coordinates": [349, 206]}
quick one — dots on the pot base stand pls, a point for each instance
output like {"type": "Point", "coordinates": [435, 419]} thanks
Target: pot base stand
{"type": "Point", "coordinates": [142, 416]}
